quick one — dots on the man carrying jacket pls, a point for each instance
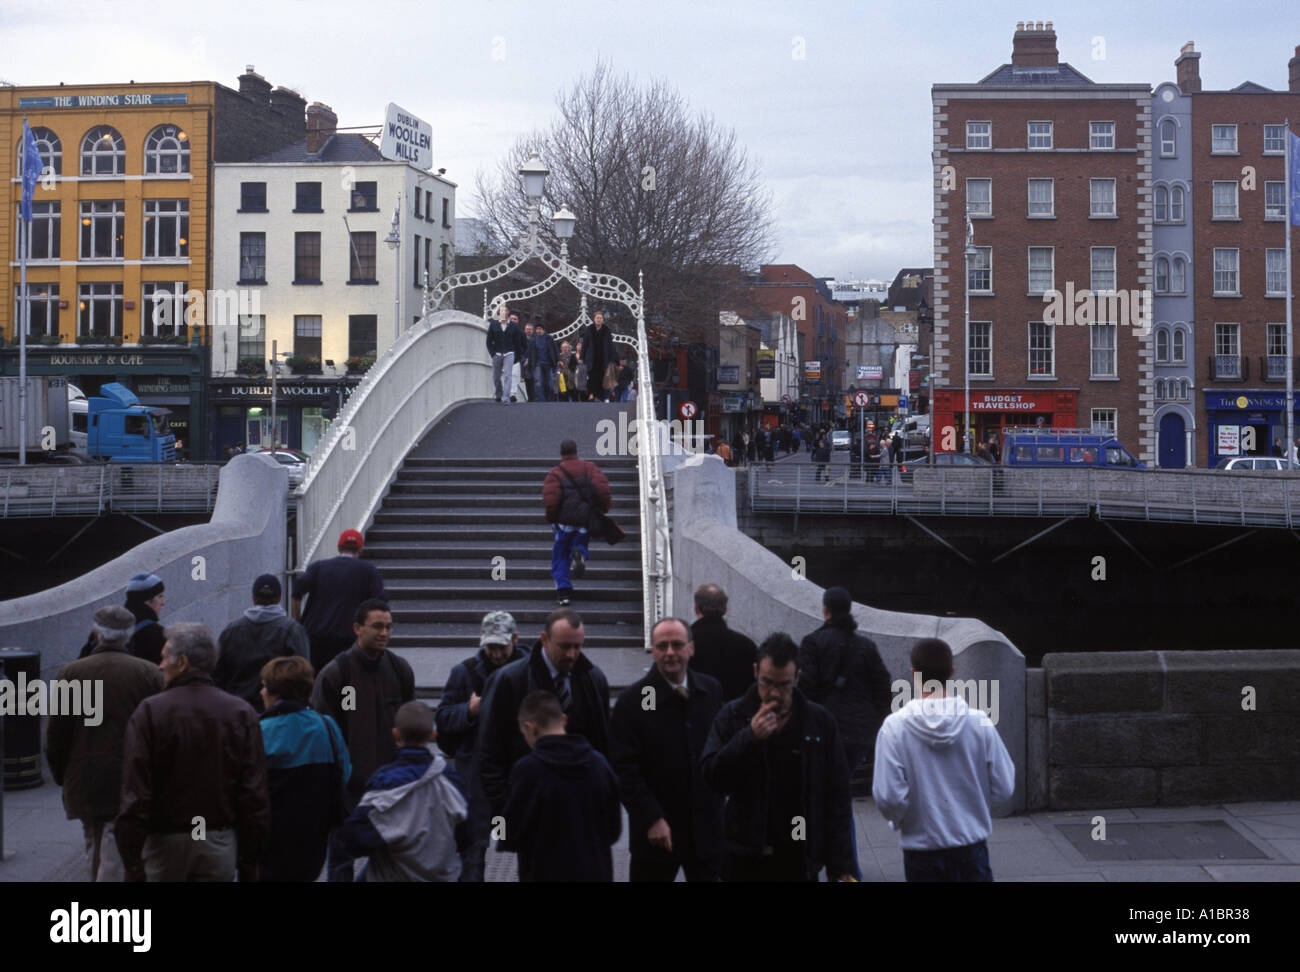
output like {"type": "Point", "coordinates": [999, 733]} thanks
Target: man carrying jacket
{"type": "Point", "coordinates": [457, 718]}
{"type": "Point", "coordinates": [778, 759]}
{"type": "Point", "coordinates": [263, 633]}
{"type": "Point", "coordinates": [556, 664]}
{"type": "Point", "coordinates": [570, 492]}
{"type": "Point", "coordinates": [657, 733]}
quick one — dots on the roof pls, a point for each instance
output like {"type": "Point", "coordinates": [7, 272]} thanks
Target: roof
{"type": "Point", "coordinates": [1009, 74]}
{"type": "Point", "coordinates": [337, 148]}
{"type": "Point", "coordinates": [1250, 87]}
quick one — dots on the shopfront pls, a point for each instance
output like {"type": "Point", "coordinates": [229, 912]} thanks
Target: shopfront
{"type": "Point", "coordinates": [242, 413]}
{"type": "Point", "coordinates": [1245, 423]}
{"type": "Point", "coordinates": [993, 409]}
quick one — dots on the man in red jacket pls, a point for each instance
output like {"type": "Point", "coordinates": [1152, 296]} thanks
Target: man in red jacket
{"type": "Point", "coordinates": [572, 491]}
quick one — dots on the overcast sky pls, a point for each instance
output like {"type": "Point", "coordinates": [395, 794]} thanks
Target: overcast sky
{"type": "Point", "coordinates": [842, 136]}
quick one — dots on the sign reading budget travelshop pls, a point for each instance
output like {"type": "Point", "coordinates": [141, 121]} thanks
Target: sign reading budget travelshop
{"type": "Point", "coordinates": [407, 138]}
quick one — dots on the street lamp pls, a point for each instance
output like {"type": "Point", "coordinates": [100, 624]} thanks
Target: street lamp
{"type": "Point", "coordinates": [394, 241]}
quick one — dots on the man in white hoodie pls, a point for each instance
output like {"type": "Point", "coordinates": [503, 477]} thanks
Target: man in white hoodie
{"type": "Point", "coordinates": [940, 766]}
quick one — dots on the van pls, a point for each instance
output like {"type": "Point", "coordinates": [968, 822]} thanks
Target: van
{"type": "Point", "coordinates": [1064, 449]}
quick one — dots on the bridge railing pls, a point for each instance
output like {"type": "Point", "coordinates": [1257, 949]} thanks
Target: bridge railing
{"type": "Point", "coordinates": [436, 364]}
{"type": "Point", "coordinates": [1256, 499]}
{"type": "Point", "coordinates": [93, 490]}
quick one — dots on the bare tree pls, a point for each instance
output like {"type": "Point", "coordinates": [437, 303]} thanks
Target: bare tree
{"type": "Point", "coordinates": [655, 189]}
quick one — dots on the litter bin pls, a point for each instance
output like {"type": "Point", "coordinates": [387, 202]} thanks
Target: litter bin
{"type": "Point", "coordinates": [22, 733]}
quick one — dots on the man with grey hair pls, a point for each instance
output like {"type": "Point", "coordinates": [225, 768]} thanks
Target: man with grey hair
{"type": "Point", "coordinates": [194, 798]}
{"type": "Point", "coordinates": [85, 751]}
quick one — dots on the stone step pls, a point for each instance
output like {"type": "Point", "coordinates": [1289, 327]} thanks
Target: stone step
{"type": "Point", "coordinates": [530, 492]}
{"type": "Point", "coordinates": [498, 475]}
{"type": "Point", "coordinates": [516, 570]}
{"type": "Point", "coordinates": [464, 635]}
{"type": "Point", "coordinates": [406, 594]}
{"type": "Point", "coordinates": [425, 462]}
{"type": "Point", "coordinates": [471, 611]}
{"type": "Point", "coordinates": [621, 665]}
{"type": "Point", "coordinates": [469, 516]}
{"type": "Point", "coordinates": [381, 549]}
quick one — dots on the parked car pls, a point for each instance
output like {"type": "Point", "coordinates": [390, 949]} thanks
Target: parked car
{"type": "Point", "coordinates": [295, 461]}
{"type": "Point", "coordinates": [841, 439]}
{"type": "Point", "coordinates": [1254, 463]}
{"type": "Point", "coordinates": [964, 459]}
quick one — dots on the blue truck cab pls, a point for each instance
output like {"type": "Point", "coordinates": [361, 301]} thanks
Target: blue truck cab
{"type": "Point", "coordinates": [120, 429]}
{"type": "Point", "coordinates": [1064, 449]}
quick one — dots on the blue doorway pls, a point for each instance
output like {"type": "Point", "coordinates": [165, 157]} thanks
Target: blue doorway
{"type": "Point", "coordinates": [1173, 441]}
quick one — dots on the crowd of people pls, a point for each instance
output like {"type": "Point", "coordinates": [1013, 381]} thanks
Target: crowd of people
{"type": "Point", "coordinates": [589, 370]}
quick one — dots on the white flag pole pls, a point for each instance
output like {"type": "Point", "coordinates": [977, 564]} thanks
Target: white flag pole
{"type": "Point", "coordinates": [1290, 359]}
{"type": "Point", "coordinates": [25, 313]}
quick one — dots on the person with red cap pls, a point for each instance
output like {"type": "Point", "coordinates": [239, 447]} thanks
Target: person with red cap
{"type": "Point", "coordinates": [334, 589]}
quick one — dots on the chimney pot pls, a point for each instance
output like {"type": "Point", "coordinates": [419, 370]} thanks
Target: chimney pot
{"type": "Point", "coordinates": [1020, 25]}
{"type": "Point", "coordinates": [1189, 69]}
{"type": "Point", "coordinates": [322, 123]}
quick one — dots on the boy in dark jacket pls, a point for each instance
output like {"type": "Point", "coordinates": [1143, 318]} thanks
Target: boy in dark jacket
{"type": "Point", "coordinates": [264, 632]}
{"type": "Point", "coordinates": [562, 812]}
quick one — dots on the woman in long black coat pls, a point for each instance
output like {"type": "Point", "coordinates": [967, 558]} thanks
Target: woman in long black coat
{"type": "Point", "coordinates": [597, 355]}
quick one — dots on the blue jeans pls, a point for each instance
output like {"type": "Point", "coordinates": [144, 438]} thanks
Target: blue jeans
{"type": "Point", "coordinates": [969, 863]}
{"type": "Point", "coordinates": [562, 553]}
{"type": "Point", "coordinates": [542, 383]}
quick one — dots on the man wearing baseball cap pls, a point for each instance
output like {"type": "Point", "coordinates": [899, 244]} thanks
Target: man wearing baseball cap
{"type": "Point", "coordinates": [457, 720]}
{"type": "Point", "coordinates": [249, 642]}
{"type": "Point", "coordinates": [335, 589]}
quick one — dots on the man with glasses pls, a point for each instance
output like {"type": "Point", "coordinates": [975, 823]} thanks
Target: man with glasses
{"type": "Point", "coordinates": [778, 759]}
{"type": "Point", "coordinates": [361, 690]}
{"type": "Point", "coordinates": [657, 733]}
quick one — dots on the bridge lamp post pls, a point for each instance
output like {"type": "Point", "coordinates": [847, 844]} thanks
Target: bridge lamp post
{"type": "Point", "coordinates": [394, 241]}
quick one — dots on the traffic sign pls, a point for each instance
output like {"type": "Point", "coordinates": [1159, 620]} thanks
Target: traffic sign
{"type": "Point", "coordinates": [861, 399]}
{"type": "Point", "coordinates": [902, 401]}
{"type": "Point", "coordinates": [687, 410]}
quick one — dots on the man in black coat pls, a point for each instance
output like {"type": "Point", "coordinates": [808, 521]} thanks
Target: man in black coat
{"type": "Point", "coordinates": [598, 354]}
{"type": "Point", "coordinates": [263, 632]}
{"type": "Point", "coordinates": [777, 757]}
{"type": "Point", "coordinates": [719, 652]}
{"type": "Point", "coordinates": [556, 664]}
{"type": "Point", "coordinates": [657, 734]}
{"type": "Point", "coordinates": [505, 346]}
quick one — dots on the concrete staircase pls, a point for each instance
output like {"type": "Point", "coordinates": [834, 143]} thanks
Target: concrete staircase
{"type": "Point", "coordinates": [465, 509]}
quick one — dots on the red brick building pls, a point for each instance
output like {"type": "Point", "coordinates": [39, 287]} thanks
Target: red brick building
{"type": "Point", "coordinates": [1056, 172]}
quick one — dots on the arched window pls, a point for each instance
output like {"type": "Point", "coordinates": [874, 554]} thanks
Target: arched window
{"type": "Point", "coordinates": [1162, 204]}
{"type": "Point", "coordinates": [1184, 387]}
{"type": "Point", "coordinates": [1162, 344]}
{"type": "Point", "coordinates": [1162, 275]}
{"type": "Point", "coordinates": [1168, 137]}
{"type": "Point", "coordinates": [167, 151]}
{"type": "Point", "coordinates": [1176, 205]}
{"type": "Point", "coordinates": [1179, 346]}
{"type": "Point", "coordinates": [103, 152]}
{"type": "Point", "coordinates": [1178, 282]}
{"type": "Point", "coordinates": [51, 149]}
{"type": "Point", "coordinates": [1160, 389]}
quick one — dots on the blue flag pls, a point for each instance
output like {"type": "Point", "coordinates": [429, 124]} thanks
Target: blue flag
{"type": "Point", "coordinates": [1293, 178]}
{"type": "Point", "coordinates": [32, 167]}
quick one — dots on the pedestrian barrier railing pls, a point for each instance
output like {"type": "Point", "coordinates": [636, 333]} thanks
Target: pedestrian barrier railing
{"type": "Point", "coordinates": [1254, 499]}
{"type": "Point", "coordinates": [92, 490]}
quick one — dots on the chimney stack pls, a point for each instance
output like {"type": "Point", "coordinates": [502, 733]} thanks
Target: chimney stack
{"type": "Point", "coordinates": [1189, 69]}
{"type": "Point", "coordinates": [253, 85]}
{"type": "Point", "coordinates": [1034, 46]}
{"type": "Point", "coordinates": [321, 124]}
{"type": "Point", "coordinates": [1294, 65]}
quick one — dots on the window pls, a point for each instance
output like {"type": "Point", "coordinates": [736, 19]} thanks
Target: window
{"type": "Point", "coordinates": [252, 338]}
{"type": "Point", "coordinates": [1041, 277]}
{"type": "Point", "coordinates": [1275, 200]}
{"type": "Point", "coordinates": [1162, 346]}
{"type": "Point", "coordinates": [1227, 364]}
{"type": "Point", "coordinates": [979, 135]}
{"type": "Point", "coordinates": [1103, 350]}
{"type": "Point", "coordinates": [42, 304]}
{"type": "Point", "coordinates": [418, 196]}
{"type": "Point", "coordinates": [1162, 275]}
{"type": "Point", "coordinates": [444, 258]}
{"type": "Point", "coordinates": [1161, 204]}
{"type": "Point", "coordinates": [362, 258]}
{"type": "Point", "coordinates": [979, 276]}
{"type": "Point", "coordinates": [1160, 389]}
{"type": "Point", "coordinates": [417, 250]}
{"type": "Point", "coordinates": [365, 198]}
{"type": "Point", "coordinates": [1040, 134]}
{"type": "Point", "coordinates": [306, 336]}
{"type": "Point", "coordinates": [308, 198]}
{"type": "Point", "coordinates": [166, 228]}
{"type": "Point", "coordinates": [162, 309]}
{"type": "Point", "coordinates": [1178, 347]}
{"type": "Point", "coordinates": [1104, 423]}
{"type": "Point", "coordinates": [1225, 271]}
{"type": "Point", "coordinates": [103, 152]}
{"type": "Point", "coordinates": [43, 234]}
{"type": "Point", "coordinates": [167, 151]}
{"type": "Point", "coordinates": [252, 197]}
{"type": "Point", "coordinates": [102, 226]}
{"type": "Point", "coordinates": [1275, 273]}
{"type": "Point", "coordinates": [1101, 135]}
{"type": "Point", "coordinates": [446, 213]}
{"type": "Point", "coordinates": [1276, 350]}
{"type": "Point", "coordinates": [1183, 387]}
{"type": "Point", "coordinates": [1168, 138]}
{"type": "Point", "coordinates": [1223, 139]}
{"type": "Point", "coordinates": [1274, 139]}
{"type": "Point", "coordinates": [1176, 197]}
{"type": "Point", "coordinates": [1103, 268]}
{"type": "Point", "coordinates": [1042, 361]}
{"type": "Point", "coordinates": [252, 258]}
{"type": "Point", "coordinates": [980, 357]}
{"type": "Point", "coordinates": [306, 258]}
{"type": "Point", "coordinates": [1178, 279]}
{"type": "Point", "coordinates": [51, 149]}
{"type": "Point", "coordinates": [1042, 197]}
{"type": "Point", "coordinates": [362, 329]}
{"type": "Point", "coordinates": [979, 197]}
{"type": "Point", "coordinates": [1225, 200]}
{"type": "Point", "coordinates": [99, 309]}
{"type": "Point", "coordinates": [428, 261]}
{"type": "Point", "coordinates": [1101, 197]}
